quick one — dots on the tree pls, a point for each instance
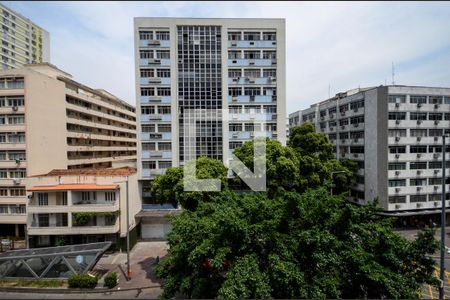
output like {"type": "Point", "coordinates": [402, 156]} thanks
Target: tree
{"type": "Point", "coordinates": [310, 245]}
{"type": "Point", "coordinates": [169, 187]}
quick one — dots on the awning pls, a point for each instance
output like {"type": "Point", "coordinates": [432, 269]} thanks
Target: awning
{"type": "Point", "coordinates": [72, 187]}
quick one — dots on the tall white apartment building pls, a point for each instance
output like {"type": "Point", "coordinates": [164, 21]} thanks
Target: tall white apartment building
{"type": "Point", "coordinates": [237, 65]}
{"type": "Point", "coordinates": [49, 121]}
{"type": "Point", "coordinates": [394, 133]}
{"type": "Point", "coordinates": [23, 42]}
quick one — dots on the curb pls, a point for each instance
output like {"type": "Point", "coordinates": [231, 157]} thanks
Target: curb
{"type": "Point", "coordinates": [71, 291]}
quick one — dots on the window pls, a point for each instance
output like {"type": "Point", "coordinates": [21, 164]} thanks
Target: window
{"type": "Point", "coordinates": [250, 91]}
{"type": "Point", "coordinates": [357, 149]}
{"type": "Point", "coordinates": [3, 192]}
{"type": "Point", "coordinates": [249, 127]}
{"type": "Point", "coordinates": [43, 220]}
{"type": "Point", "coordinates": [4, 209]}
{"type": "Point", "coordinates": [252, 54]}
{"type": "Point", "coordinates": [164, 128]}
{"type": "Point", "coordinates": [269, 91]}
{"type": "Point", "coordinates": [397, 199]}
{"type": "Point", "coordinates": [234, 55]}
{"type": "Point", "coordinates": [162, 54]}
{"type": "Point", "coordinates": [357, 134]}
{"type": "Point", "coordinates": [110, 196]}
{"type": "Point", "coordinates": [435, 165]}
{"type": "Point", "coordinates": [434, 197]}
{"type": "Point", "coordinates": [435, 100]}
{"type": "Point", "coordinates": [397, 182]}
{"type": "Point", "coordinates": [163, 91]}
{"type": "Point", "coordinates": [147, 73]}
{"type": "Point", "coordinates": [235, 109]}
{"type": "Point", "coordinates": [17, 119]}
{"type": "Point", "coordinates": [252, 109]}
{"type": "Point", "coordinates": [397, 132]}
{"type": "Point", "coordinates": [418, 116]}
{"type": "Point", "coordinates": [17, 192]}
{"type": "Point", "coordinates": [270, 73]}
{"type": "Point", "coordinates": [397, 99]}
{"type": "Point", "coordinates": [343, 135]}
{"type": "Point", "coordinates": [148, 91]}
{"type": "Point", "coordinates": [447, 100]}
{"type": "Point", "coordinates": [43, 199]}
{"type": "Point", "coordinates": [11, 83]}
{"type": "Point", "coordinates": [147, 110]}
{"type": "Point", "coordinates": [234, 92]}
{"type": "Point", "coordinates": [252, 36]}
{"type": "Point", "coordinates": [85, 196]}
{"type": "Point", "coordinates": [148, 146]}
{"type": "Point", "coordinates": [397, 149]}
{"type": "Point", "coordinates": [418, 149]}
{"type": "Point", "coordinates": [417, 181]}
{"type": "Point", "coordinates": [162, 35]}
{"type": "Point", "coordinates": [149, 165]}
{"type": "Point", "coordinates": [435, 132]}
{"type": "Point", "coordinates": [270, 109]}
{"type": "Point", "coordinates": [357, 104]}
{"type": "Point", "coordinates": [18, 173]}
{"type": "Point", "coordinates": [234, 145]}
{"type": "Point", "coordinates": [146, 35]}
{"type": "Point", "coordinates": [397, 166]}
{"type": "Point", "coordinates": [164, 147]}
{"type": "Point", "coordinates": [417, 198]}
{"type": "Point", "coordinates": [269, 36]}
{"type": "Point", "coordinates": [343, 122]}
{"type": "Point", "coordinates": [397, 116]}
{"type": "Point", "coordinates": [16, 138]}
{"type": "Point", "coordinates": [418, 165]}
{"type": "Point", "coordinates": [332, 136]}
{"type": "Point", "coordinates": [418, 132]}
{"type": "Point", "coordinates": [146, 54]}
{"type": "Point", "coordinates": [234, 73]}
{"type": "Point", "coordinates": [269, 54]}
{"type": "Point", "coordinates": [163, 73]}
{"type": "Point", "coordinates": [148, 127]}
{"type": "Point", "coordinates": [271, 127]}
{"type": "Point", "coordinates": [357, 120]}
{"type": "Point", "coordinates": [16, 156]}
{"type": "Point", "coordinates": [164, 110]}
{"type": "Point", "coordinates": [418, 99]}
{"type": "Point", "coordinates": [234, 36]}
{"type": "Point", "coordinates": [235, 127]}
{"type": "Point", "coordinates": [3, 155]}
{"type": "Point", "coordinates": [343, 108]}
{"type": "Point", "coordinates": [110, 220]}
{"type": "Point", "coordinates": [434, 149]}
{"type": "Point", "coordinates": [434, 116]}
{"type": "Point", "coordinates": [435, 181]}
{"type": "Point", "coordinates": [165, 164]}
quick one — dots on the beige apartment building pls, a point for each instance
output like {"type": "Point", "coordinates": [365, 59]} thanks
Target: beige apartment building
{"type": "Point", "coordinates": [49, 121]}
{"type": "Point", "coordinates": [81, 206]}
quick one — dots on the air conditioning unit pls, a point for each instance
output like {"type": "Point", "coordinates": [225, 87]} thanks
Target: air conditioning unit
{"type": "Point", "coordinates": [397, 155]}
{"type": "Point", "coordinates": [419, 104]}
{"type": "Point", "coordinates": [419, 172]}
{"type": "Point", "coordinates": [436, 155]}
{"type": "Point", "coordinates": [436, 122]}
{"type": "Point", "coordinates": [436, 138]}
{"type": "Point", "coordinates": [252, 98]}
{"type": "Point", "coordinates": [252, 134]}
{"type": "Point", "coordinates": [343, 141]}
{"type": "Point", "coordinates": [355, 110]}
{"type": "Point", "coordinates": [331, 116]}
{"type": "Point", "coordinates": [18, 161]}
{"type": "Point", "coordinates": [342, 113]}
{"type": "Point", "coordinates": [274, 61]}
{"type": "Point", "coordinates": [435, 187]}
{"type": "Point", "coordinates": [251, 80]}
{"type": "Point", "coordinates": [343, 154]}
{"type": "Point", "coordinates": [397, 122]}
{"type": "Point", "coordinates": [419, 138]}
{"type": "Point", "coordinates": [15, 108]}
{"type": "Point", "coordinates": [251, 62]}
{"type": "Point", "coordinates": [343, 127]}
{"type": "Point", "coordinates": [397, 190]}
{"type": "Point", "coordinates": [154, 61]}
{"type": "Point", "coordinates": [436, 106]}
{"type": "Point", "coordinates": [154, 43]}
{"type": "Point", "coordinates": [234, 98]}
{"type": "Point", "coordinates": [436, 171]}
{"type": "Point", "coordinates": [418, 205]}
{"type": "Point", "coordinates": [397, 173]}
{"type": "Point", "coordinates": [16, 181]}
{"type": "Point", "coordinates": [397, 104]}
{"type": "Point", "coordinates": [322, 118]}
{"type": "Point", "coordinates": [397, 138]}
{"type": "Point", "coordinates": [398, 206]}
{"type": "Point", "coordinates": [436, 203]}
{"type": "Point", "coordinates": [234, 44]}
{"type": "Point", "coordinates": [419, 122]}
{"type": "Point", "coordinates": [356, 124]}
{"type": "Point", "coordinates": [419, 155]}
{"type": "Point", "coordinates": [355, 154]}
{"type": "Point", "coordinates": [355, 140]}
{"type": "Point", "coordinates": [235, 134]}
{"type": "Point", "coordinates": [235, 79]}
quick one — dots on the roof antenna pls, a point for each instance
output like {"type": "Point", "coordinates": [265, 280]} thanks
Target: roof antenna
{"type": "Point", "coordinates": [393, 74]}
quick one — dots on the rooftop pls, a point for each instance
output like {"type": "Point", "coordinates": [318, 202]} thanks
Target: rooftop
{"type": "Point", "coordinates": [124, 171]}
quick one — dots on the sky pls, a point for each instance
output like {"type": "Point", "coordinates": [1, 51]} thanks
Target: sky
{"type": "Point", "coordinates": [331, 47]}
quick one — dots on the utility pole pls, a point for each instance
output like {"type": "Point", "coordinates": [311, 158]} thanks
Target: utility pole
{"type": "Point", "coordinates": [441, 287]}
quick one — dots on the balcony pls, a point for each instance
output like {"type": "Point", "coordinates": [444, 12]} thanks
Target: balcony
{"type": "Point", "coordinates": [247, 135]}
{"type": "Point", "coordinates": [154, 43]}
{"type": "Point", "coordinates": [252, 99]}
{"type": "Point", "coordinates": [253, 117]}
{"type": "Point", "coordinates": [156, 99]}
{"type": "Point", "coordinates": [163, 136]}
{"type": "Point", "coordinates": [156, 117]}
{"type": "Point", "coordinates": [251, 80]}
{"type": "Point", "coordinates": [156, 154]}
{"type": "Point", "coordinates": [155, 80]}
{"type": "Point", "coordinates": [145, 62]}
{"type": "Point", "coordinates": [252, 44]}
{"type": "Point", "coordinates": [251, 62]}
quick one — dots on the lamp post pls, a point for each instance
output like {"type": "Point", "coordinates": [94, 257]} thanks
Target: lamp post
{"type": "Point", "coordinates": [128, 229]}
{"type": "Point", "coordinates": [332, 173]}
{"type": "Point", "coordinates": [441, 287]}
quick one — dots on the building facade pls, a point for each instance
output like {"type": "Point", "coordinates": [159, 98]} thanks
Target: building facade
{"type": "Point", "coordinates": [23, 42]}
{"type": "Point", "coordinates": [81, 206]}
{"type": "Point", "coordinates": [233, 69]}
{"type": "Point", "coordinates": [394, 133]}
{"type": "Point", "coordinates": [49, 121]}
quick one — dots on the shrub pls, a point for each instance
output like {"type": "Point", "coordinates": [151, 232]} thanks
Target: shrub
{"type": "Point", "coordinates": [82, 281]}
{"type": "Point", "coordinates": [111, 280]}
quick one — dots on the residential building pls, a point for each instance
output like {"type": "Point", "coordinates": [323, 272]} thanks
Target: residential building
{"type": "Point", "coordinates": [23, 42]}
{"type": "Point", "coordinates": [236, 66]}
{"type": "Point", "coordinates": [77, 206]}
{"type": "Point", "coordinates": [49, 121]}
{"type": "Point", "coordinates": [394, 133]}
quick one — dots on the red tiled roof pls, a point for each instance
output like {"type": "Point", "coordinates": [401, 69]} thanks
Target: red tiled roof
{"type": "Point", "coordinates": [72, 187]}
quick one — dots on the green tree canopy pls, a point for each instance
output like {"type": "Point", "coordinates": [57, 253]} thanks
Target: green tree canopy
{"type": "Point", "coordinates": [309, 245]}
{"type": "Point", "coordinates": [169, 188]}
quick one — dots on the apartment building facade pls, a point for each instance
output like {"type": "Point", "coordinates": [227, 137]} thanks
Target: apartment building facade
{"type": "Point", "coordinates": [233, 67]}
{"type": "Point", "coordinates": [394, 133]}
{"type": "Point", "coordinates": [49, 121]}
{"type": "Point", "coordinates": [23, 42]}
{"type": "Point", "coordinates": [77, 206]}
